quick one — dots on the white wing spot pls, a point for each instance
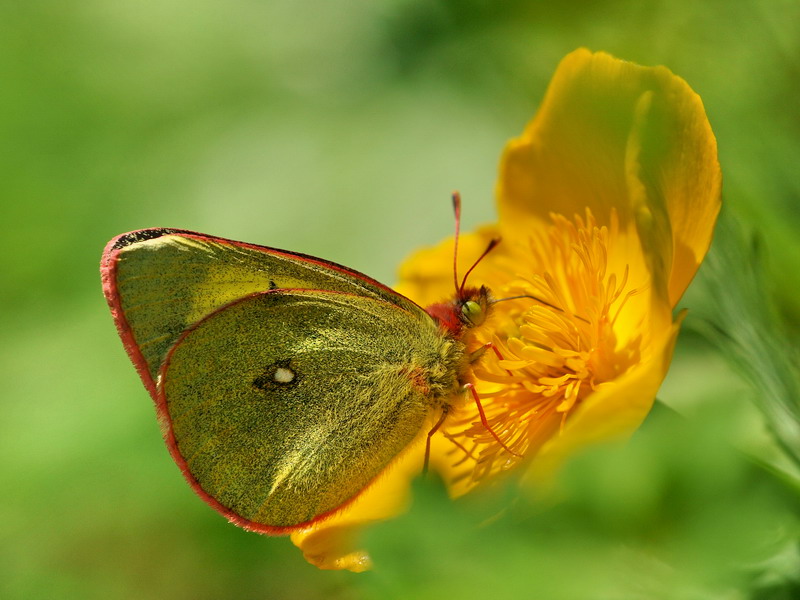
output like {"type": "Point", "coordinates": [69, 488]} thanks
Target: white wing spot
{"type": "Point", "coordinates": [283, 375]}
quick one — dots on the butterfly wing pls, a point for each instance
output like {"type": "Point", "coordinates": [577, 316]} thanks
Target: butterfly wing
{"type": "Point", "coordinates": [158, 282]}
{"type": "Point", "coordinates": [283, 405]}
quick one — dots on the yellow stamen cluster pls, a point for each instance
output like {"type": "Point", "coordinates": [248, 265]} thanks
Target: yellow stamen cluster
{"type": "Point", "coordinates": [552, 347]}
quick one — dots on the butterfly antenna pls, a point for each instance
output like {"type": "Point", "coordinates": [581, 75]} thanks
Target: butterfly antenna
{"type": "Point", "coordinates": [489, 248]}
{"type": "Point", "coordinates": [457, 211]}
{"type": "Point", "coordinates": [492, 244]}
{"type": "Point", "coordinates": [540, 301]}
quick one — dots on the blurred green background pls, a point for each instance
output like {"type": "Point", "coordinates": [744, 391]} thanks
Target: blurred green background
{"type": "Point", "coordinates": [338, 129]}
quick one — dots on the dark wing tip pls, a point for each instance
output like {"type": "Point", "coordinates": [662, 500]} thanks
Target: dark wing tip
{"type": "Point", "coordinates": [142, 235]}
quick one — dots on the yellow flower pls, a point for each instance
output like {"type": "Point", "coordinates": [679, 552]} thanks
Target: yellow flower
{"type": "Point", "coordinates": [607, 203]}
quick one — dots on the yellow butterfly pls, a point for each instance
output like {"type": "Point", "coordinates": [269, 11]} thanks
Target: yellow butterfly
{"type": "Point", "coordinates": [285, 383]}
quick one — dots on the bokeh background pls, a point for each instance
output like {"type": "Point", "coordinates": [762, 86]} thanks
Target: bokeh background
{"type": "Point", "coordinates": [338, 128]}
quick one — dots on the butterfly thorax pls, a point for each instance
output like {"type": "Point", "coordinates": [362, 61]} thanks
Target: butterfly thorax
{"type": "Point", "coordinates": [456, 319]}
{"type": "Point", "coordinates": [442, 374]}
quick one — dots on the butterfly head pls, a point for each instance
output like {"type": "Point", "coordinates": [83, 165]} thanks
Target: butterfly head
{"type": "Point", "coordinates": [473, 306]}
{"type": "Point", "coordinates": [468, 309]}
{"type": "Point", "coordinates": [470, 305]}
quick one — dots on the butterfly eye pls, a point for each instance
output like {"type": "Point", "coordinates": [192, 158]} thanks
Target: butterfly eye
{"type": "Point", "coordinates": [472, 312]}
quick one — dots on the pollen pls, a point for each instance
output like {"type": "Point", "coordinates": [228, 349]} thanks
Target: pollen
{"type": "Point", "coordinates": [553, 346]}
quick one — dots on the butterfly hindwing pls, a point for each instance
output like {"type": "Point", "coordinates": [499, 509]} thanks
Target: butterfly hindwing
{"type": "Point", "coordinates": [283, 405]}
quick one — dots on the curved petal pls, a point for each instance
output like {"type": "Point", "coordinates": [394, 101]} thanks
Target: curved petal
{"type": "Point", "coordinates": [334, 542]}
{"type": "Point", "coordinates": [614, 135]}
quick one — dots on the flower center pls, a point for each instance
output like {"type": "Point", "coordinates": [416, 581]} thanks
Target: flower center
{"type": "Point", "coordinates": [552, 352]}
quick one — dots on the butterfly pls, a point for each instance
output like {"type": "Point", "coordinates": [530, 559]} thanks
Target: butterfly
{"type": "Point", "coordinates": [284, 383]}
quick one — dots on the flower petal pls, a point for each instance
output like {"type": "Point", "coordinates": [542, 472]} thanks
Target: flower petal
{"type": "Point", "coordinates": [614, 135]}
{"type": "Point", "coordinates": [333, 543]}
{"type": "Point", "coordinates": [614, 410]}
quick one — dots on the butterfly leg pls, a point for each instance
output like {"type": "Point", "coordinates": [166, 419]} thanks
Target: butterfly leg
{"type": "Point", "coordinates": [480, 351]}
{"type": "Point", "coordinates": [433, 430]}
{"type": "Point", "coordinates": [485, 421]}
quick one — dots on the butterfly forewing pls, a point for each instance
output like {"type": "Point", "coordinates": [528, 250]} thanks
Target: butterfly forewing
{"type": "Point", "coordinates": [161, 281]}
{"type": "Point", "coordinates": [284, 405]}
